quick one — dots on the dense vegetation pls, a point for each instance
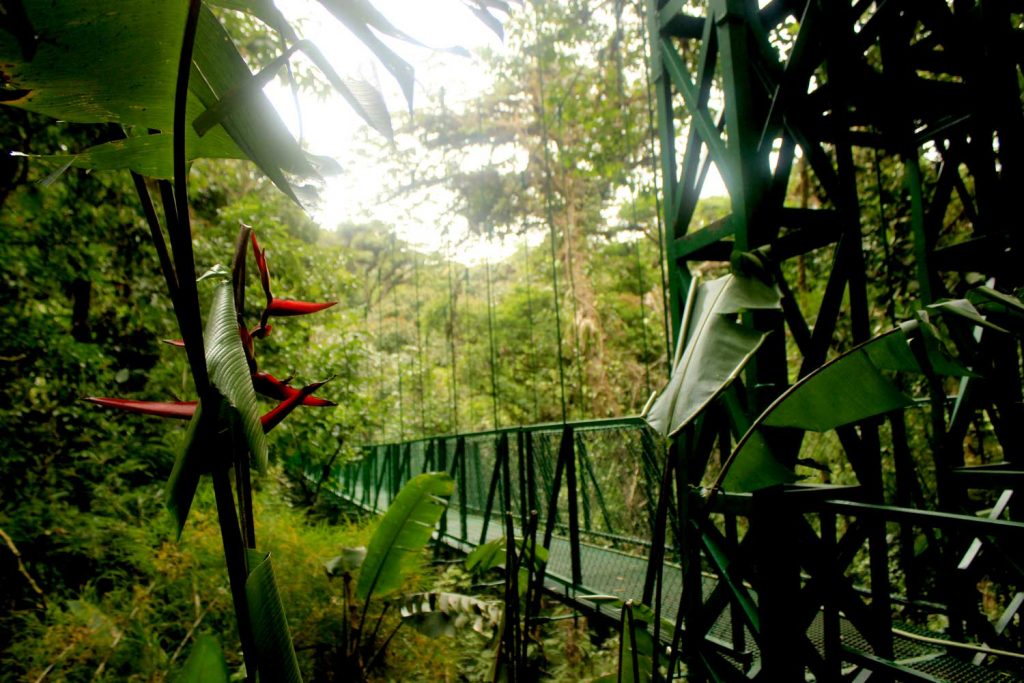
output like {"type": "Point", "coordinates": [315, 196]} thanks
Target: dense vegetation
{"type": "Point", "coordinates": [96, 586]}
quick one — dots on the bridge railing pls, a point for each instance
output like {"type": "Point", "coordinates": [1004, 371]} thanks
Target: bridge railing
{"type": "Point", "coordinates": [593, 484]}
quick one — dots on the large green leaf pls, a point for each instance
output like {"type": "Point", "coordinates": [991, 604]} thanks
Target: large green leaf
{"type": "Point", "coordinates": [963, 308]}
{"type": "Point", "coordinates": [150, 155]}
{"type": "Point", "coordinates": [712, 348]}
{"type": "Point", "coordinates": [492, 554]}
{"type": "Point", "coordinates": [358, 16]}
{"type": "Point", "coordinates": [229, 370]}
{"type": "Point", "coordinates": [1007, 308]}
{"type": "Point", "coordinates": [847, 389]}
{"type": "Point", "coordinates": [205, 663]}
{"type": "Point", "coordinates": [101, 60]}
{"type": "Point", "coordinates": [364, 99]}
{"type": "Point", "coordinates": [264, 10]}
{"type": "Point", "coordinates": [217, 71]}
{"type": "Point", "coordinates": [275, 651]}
{"type": "Point", "coordinates": [189, 465]}
{"type": "Point", "coordinates": [636, 649]}
{"type": "Point", "coordinates": [443, 614]}
{"type": "Point", "coordinates": [757, 468]}
{"type": "Point", "coordinates": [404, 531]}
{"type": "Point", "coordinates": [116, 61]}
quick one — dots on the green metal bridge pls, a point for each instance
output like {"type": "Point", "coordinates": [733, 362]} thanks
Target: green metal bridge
{"type": "Point", "coordinates": [793, 582]}
{"type": "Point", "coordinates": [575, 475]}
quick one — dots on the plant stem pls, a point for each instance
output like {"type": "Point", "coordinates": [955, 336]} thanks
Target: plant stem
{"type": "Point", "coordinates": [21, 568]}
{"type": "Point", "coordinates": [190, 322]}
{"type": "Point", "coordinates": [155, 231]}
{"type": "Point", "coordinates": [377, 655]}
{"type": "Point", "coordinates": [376, 627]}
{"type": "Point", "coordinates": [234, 555]}
{"type": "Point", "coordinates": [181, 234]}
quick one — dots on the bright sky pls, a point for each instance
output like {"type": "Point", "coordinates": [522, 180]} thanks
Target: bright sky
{"type": "Point", "coordinates": [331, 128]}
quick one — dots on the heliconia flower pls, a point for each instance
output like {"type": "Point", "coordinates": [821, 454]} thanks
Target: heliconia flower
{"type": "Point", "coordinates": [180, 343]}
{"type": "Point", "coordinates": [261, 263]}
{"type": "Point", "coordinates": [286, 307]}
{"type": "Point", "coordinates": [271, 387]}
{"type": "Point", "coordinates": [274, 417]}
{"type": "Point", "coordinates": [181, 410]}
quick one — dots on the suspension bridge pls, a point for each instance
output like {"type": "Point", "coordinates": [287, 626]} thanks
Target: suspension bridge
{"type": "Point", "coordinates": [578, 476]}
{"type": "Point", "coordinates": [791, 582]}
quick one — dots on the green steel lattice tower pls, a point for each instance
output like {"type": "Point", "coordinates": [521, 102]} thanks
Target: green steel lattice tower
{"type": "Point", "coordinates": [906, 119]}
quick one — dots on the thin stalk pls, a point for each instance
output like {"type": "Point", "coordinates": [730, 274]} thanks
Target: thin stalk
{"type": "Point", "coordinates": [190, 322]}
{"type": "Point", "coordinates": [383, 647]}
{"type": "Point", "coordinates": [346, 623]}
{"type": "Point", "coordinates": [156, 232]}
{"type": "Point", "coordinates": [181, 235]}
{"type": "Point", "coordinates": [511, 625]}
{"type": "Point", "coordinates": [234, 555]}
{"type": "Point", "coordinates": [168, 205]}
{"type": "Point", "coordinates": [376, 627]}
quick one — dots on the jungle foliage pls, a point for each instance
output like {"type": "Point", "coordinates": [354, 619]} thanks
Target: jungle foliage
{"type": "Point", "coordinates": [94, 584]}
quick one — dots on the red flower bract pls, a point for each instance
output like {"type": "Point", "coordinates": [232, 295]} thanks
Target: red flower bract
{"type": "Point", "coordinates": [181, 410]}
{"type": "Point", "coordinates": [271, 387]}
{"type": "Point", "coordinates": [286, 307]}
{"type": "Point", "coordinates": [274, 417]}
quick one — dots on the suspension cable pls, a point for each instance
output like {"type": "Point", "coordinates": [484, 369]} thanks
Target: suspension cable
{"type": "Point", "coordinates": [471, 421]}
{"type": "Point", "coordinates": [398, 354]}
{"type": "Point", "coordinates": [380, 344]}
{"type": "Point", "coordinates": [529, 324]}
{"type": "Point", "coordinates": [626, 121]}
{"type": "Point", "coordinates": [419, 343]}
{"type": "Point", "coordinates": [642, 284]}
{"type": "Point", "coordinates": [550, 214]}
{"type": "Point", "coordinates": [490, 336]}
{"type": "Point", "coordinates": [567, 238]}
{"type": "Point", "coordinates": [451, 339]}
{"type": "Point", "coordinates": [665, 303]}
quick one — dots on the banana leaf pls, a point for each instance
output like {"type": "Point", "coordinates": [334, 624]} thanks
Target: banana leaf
{"type": "Point", "coordinates": [149, 155]}
{"type": "Point", "coordinates": [276, 654]}
{"type": "Point", "coordinates": [190, 464]}
{"type": "Point", "coordinates": [492, 554]}
{"type": "Point", "coordinates": [636, 649]}
{"type": "Point", "coordinates": [437, 614]}
{"type": "Point", "coordinates": [988, 301]}
{"type": "Point", "coordinates": [846, 390]}
{"type": "Point", "coordinates": [963, 308]}
{"type": "Point", "coordinates": [115, 61]}
{"type": "Point", "coordinates": [712, 348]}
{"type": "Point", "coordinates": [396, 546]}
{"type": "Point", "coordinates": [365, 21]}
{"type": "Point", "coordinates": [205, 663]}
